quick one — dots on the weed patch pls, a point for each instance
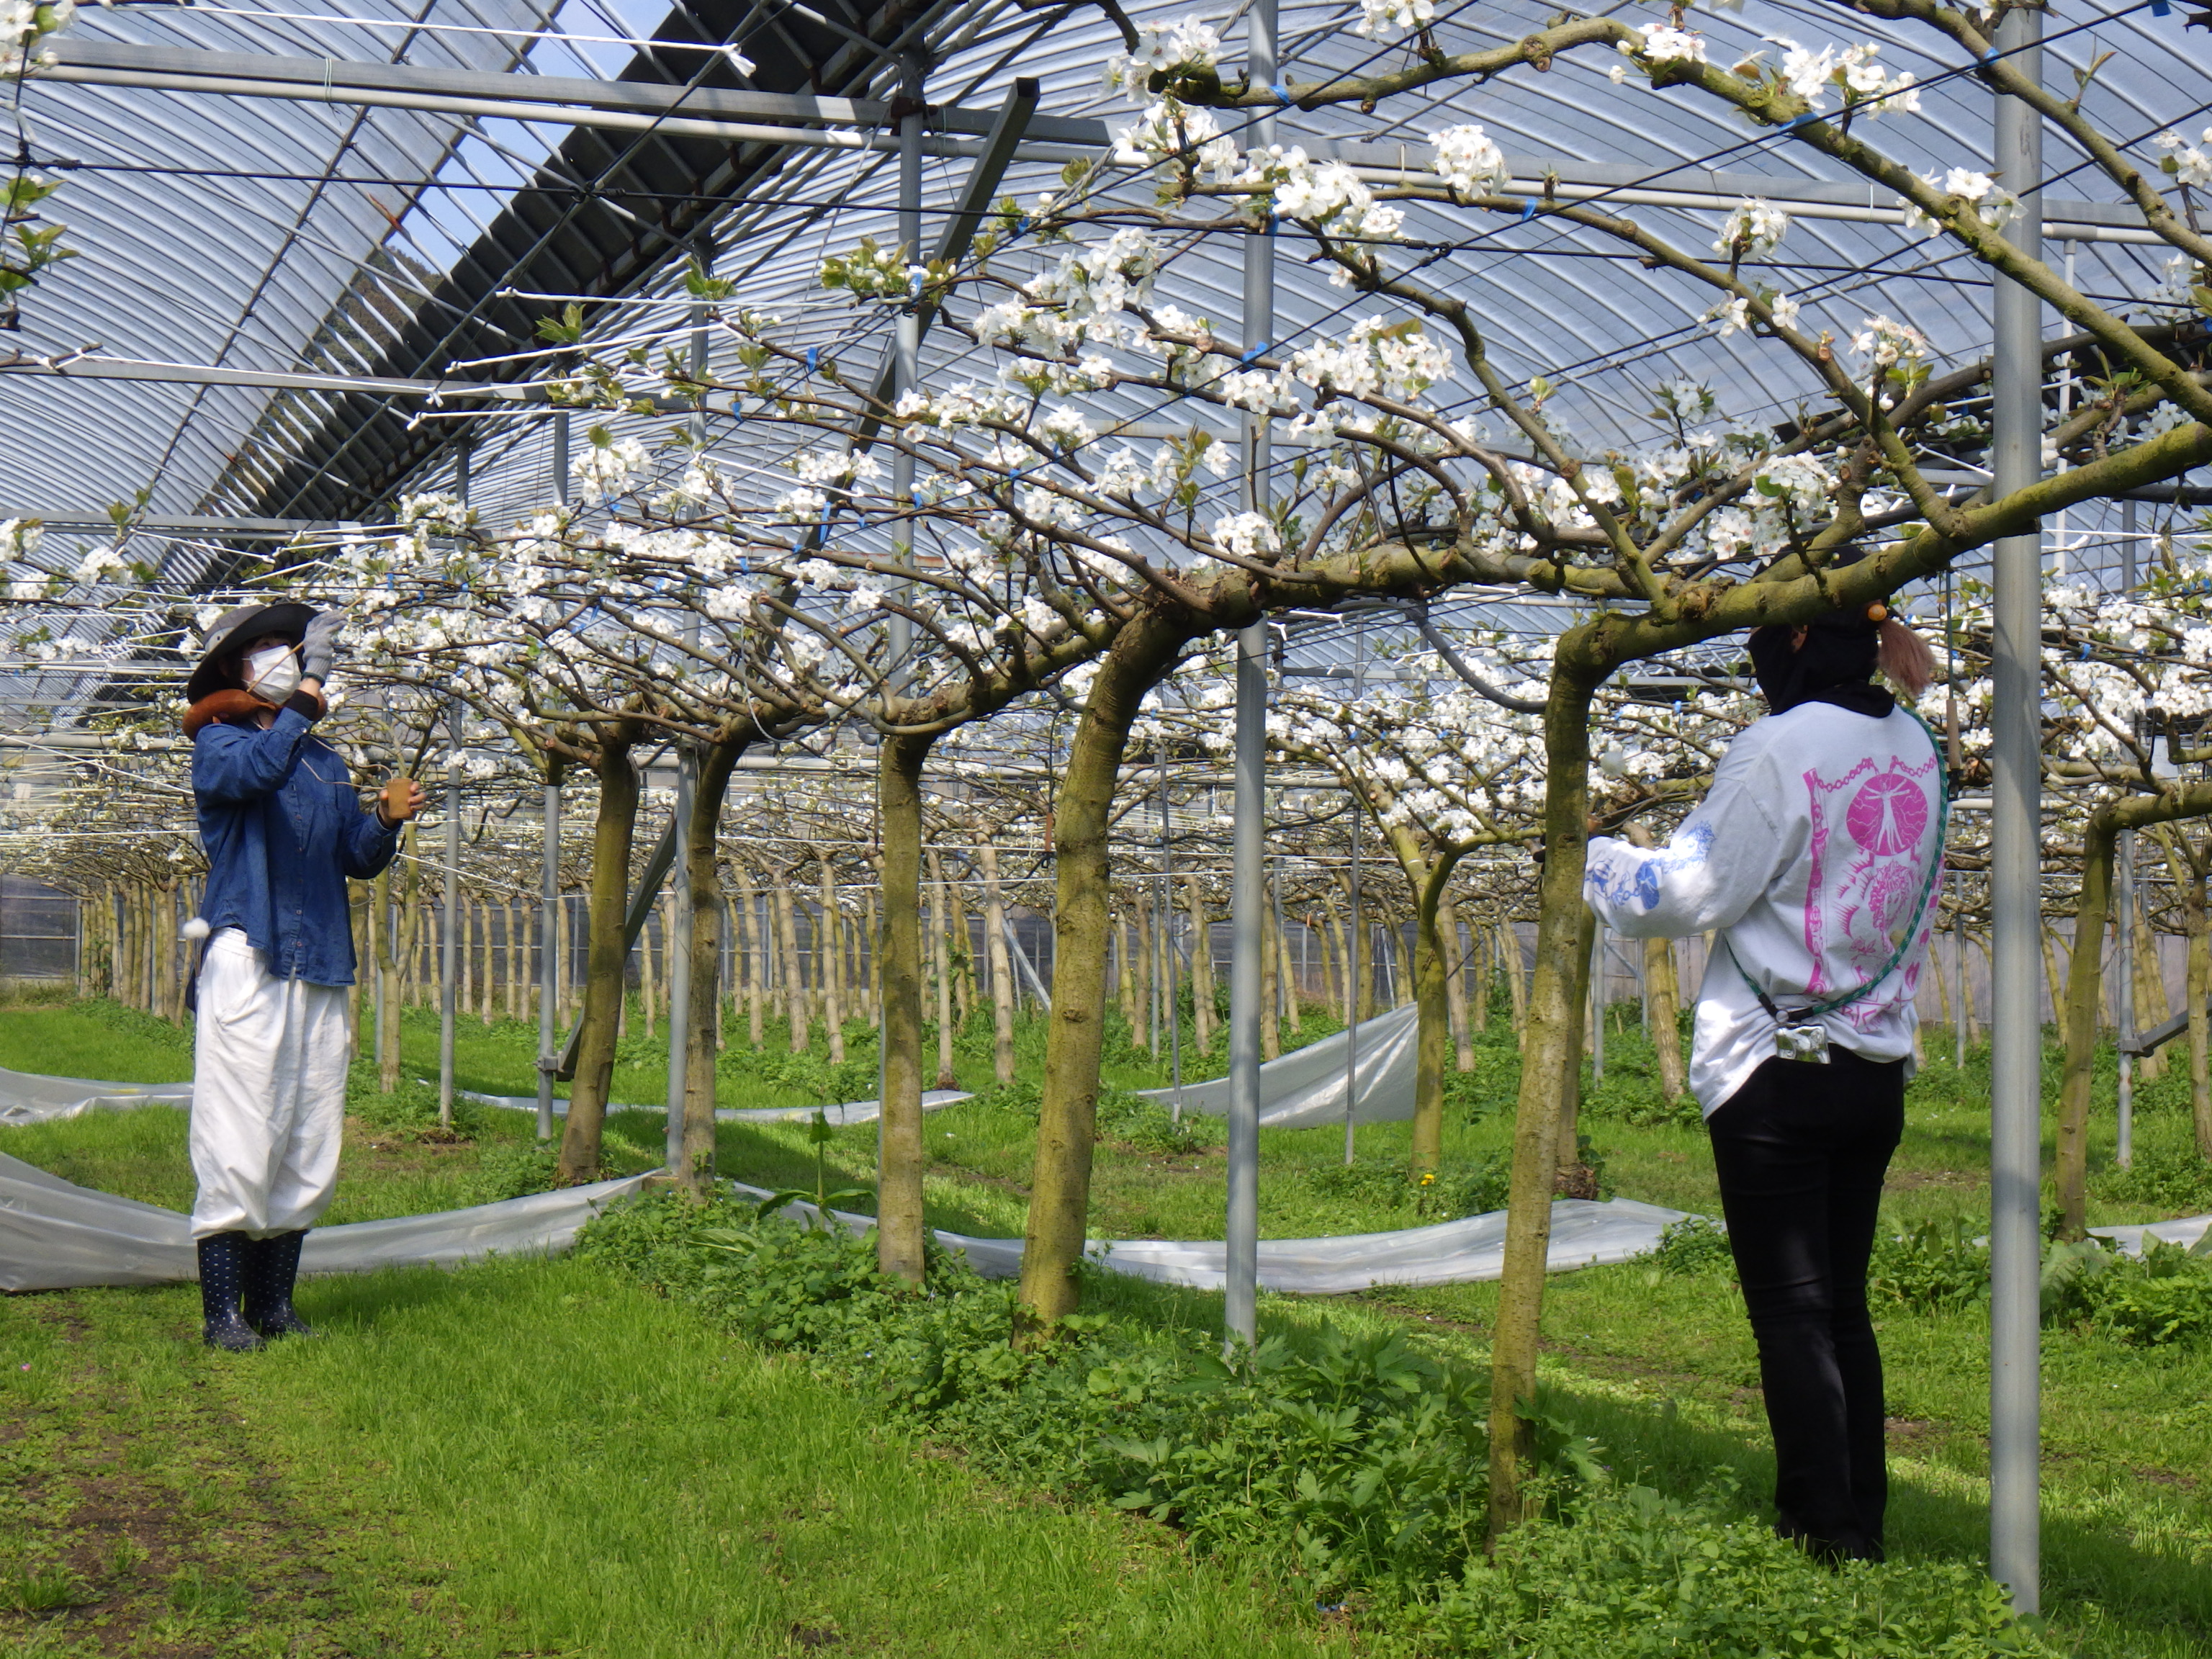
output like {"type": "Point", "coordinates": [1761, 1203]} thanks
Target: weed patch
{"type": "Point", "coordinates": [1355, 1460]}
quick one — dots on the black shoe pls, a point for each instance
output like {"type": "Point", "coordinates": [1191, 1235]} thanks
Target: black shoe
{"type": "Point", "coordinates": [222, 1272]}
{"type": "Point", "coordinates": [272, 1267]}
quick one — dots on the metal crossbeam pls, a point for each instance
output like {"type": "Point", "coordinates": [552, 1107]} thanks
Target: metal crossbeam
{"type": "Point", "coordinates": [739, 116]}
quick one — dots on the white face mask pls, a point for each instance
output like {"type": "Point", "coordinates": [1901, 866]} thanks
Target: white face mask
{"type": "Point", "coordinates": [272, 673]}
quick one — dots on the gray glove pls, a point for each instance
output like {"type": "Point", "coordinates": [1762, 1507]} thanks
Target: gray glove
{"type": "Point", "coordinates": [320, 645]}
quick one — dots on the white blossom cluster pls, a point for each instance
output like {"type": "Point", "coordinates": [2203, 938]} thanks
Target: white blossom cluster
{"type": "Point", "coordinates": [1752, 230]}
{"type": "Point", "coordinates": [1468, 161]}
{"type": "Point", "coordinates": [1995, 207]}
{"type": "Point", "coordinates": [2187, 163]}
{"type": "Point", "coordinates": [1866, 87]}
{"type": "Point", "coordinates": [1393, 17]}
{"type": "Point", "coordinates": [24, 24]}
{"type": "Point", "coordinates": [1190, 44]}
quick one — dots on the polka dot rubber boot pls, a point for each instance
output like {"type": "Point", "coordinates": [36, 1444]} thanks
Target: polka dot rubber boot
{"type": "Point", "coordinates": [272, 1267]}
{"type": "Point", "coordinates": [222, 1282]}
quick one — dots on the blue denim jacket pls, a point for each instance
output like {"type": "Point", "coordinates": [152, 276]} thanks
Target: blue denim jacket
{"type": "Point", "coordinates": [282, 829]}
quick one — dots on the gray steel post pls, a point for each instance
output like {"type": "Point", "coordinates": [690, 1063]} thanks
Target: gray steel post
{"type": "Point", "coordinates": [1354, 935]}
{"type": "Point", "coordinates": [549, 902]}
{"type": "Point", "coordinates": [449, 951]}
{"type": "Point", "coordinates": [552, 933]}
{"type": "Point", "coordinates": [2015, 894]}
{"type": "Point", "coordinates": [2124, 1154]}
{"type": "Point", "coordinates": [676, 948]}
{"type": "Point", "coordinates": [1597, 1006]}
{"type": "Point", "coordinates": [1247, 900]}
{"type": "Point", "coordinates": [1959, 961]}
{"type": "Point", "coordinates": [1167, 948]}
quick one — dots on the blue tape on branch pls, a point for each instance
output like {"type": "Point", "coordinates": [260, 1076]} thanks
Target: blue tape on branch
{"type": "Point", "coordinates": [1528, 209]}
{"type": "Point", "coordinates": [1263, 346]}
{"type": "Point", "coordinates": [813, 356]}
{"type": "Point", "coordinates": [2161, 8]}
{"type": "Point", "coordinates": [1282, 92]}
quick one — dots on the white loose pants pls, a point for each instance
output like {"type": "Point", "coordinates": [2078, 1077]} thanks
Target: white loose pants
{"type": "Point", "coordinates": [269, 1085]}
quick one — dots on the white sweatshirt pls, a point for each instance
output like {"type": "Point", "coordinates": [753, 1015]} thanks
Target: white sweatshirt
{"type": "Point", "coordinates": [1810, 854]}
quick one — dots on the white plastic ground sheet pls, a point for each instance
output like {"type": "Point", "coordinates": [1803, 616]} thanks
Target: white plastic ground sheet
{"type": "Point", "coordinates": [2185, 1232]}
{"type": "Point", "coordinates": [840, 1115]}
{"type": "Point", "coordinates": [1304, 1090]}
{"type": "Point", "coordinates": [28, 1098]}
{"type": "Point", "coordinates": [55, 1234]}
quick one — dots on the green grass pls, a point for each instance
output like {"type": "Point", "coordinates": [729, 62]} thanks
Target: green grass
{"type": "Point", "coordinates": [1662, 1370]}
{"type": "Point", "coordinates": [530, 1457]}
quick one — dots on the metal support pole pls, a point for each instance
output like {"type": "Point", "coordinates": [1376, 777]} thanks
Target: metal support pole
{"type": "Point", "coordinates": [1354, 935]}
{"type": "Point", "coordinates": [1597, 1007]}
{"type": "Point", "coordinates": [1959, 961]}
{"type": "Point", "coordinates": [2015, 894]}
{"type": "Point", "coordinates": [675, 946]}
{"type": "Point", "coordinates": [2124, 1152]}
{"type": "Point", "coordinates": [1248, 902]}
{"type": "Point", "coordinates": [552, 933]}
{"type": "Point", "coordinates": [449, 951]}
{"type": "Point", "coordinates": [1167, 944]}
{"type": "Point", "coordinates": [549, 902]}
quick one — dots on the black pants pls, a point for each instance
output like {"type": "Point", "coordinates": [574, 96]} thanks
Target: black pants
{"type": "Point", "coordinates": [1802, 1150]}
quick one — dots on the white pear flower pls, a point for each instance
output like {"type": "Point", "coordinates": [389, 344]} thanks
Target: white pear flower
{"type": "Point", "coordinates": [1755, 228]}
{"type": "Point", "coordinates": [1396, 16]}
{"type": "Point", "coordinates": [1468, 161]}
{"type": "Point", "coordinates": [1664, 44]}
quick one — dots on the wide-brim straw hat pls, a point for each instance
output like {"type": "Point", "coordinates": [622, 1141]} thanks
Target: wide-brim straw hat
{"type": "Point", "coordinates": [238, 627]}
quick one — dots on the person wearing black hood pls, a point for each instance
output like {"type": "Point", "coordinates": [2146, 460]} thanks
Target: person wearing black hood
{"type": "Point", "coordinates": [1816, 856]}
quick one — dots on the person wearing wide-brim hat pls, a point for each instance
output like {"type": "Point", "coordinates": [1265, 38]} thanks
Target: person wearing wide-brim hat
{"type": "Point", "coordinates": [283, 828]}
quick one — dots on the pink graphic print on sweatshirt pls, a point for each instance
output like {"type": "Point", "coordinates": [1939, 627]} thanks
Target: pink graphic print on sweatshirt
{"type": "Point", "coordinates": [1866, 881]}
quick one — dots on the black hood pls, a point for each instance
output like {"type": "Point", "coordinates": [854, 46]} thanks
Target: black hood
{"type": "Point", "coordinates": [1835, 665]}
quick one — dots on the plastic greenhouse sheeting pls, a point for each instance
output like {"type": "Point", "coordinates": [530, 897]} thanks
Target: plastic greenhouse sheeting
{"type": "Point", "coordinates": [846, 1112]}
{"type": "Point", "coordinates": [1304, 1090]}
{"type": "Point", "coordinates": [1584, 1234]}
{"type": "Point", "coordinates": [2187, 1232]}
{"type": "Point", "coordinates": [28, 1098]}
{"type": "Point", "coordinates": [55, 1234]}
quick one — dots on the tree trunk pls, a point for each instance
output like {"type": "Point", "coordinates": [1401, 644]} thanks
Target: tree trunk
{"type": "Point", "coordinates": [2050, 975]}
{"type": "Point", "coordinates": [1059, 1186]}
{"type": "Point", "coordinates": [2151, 1006]}
{"type": "Point", "coordinates": [1002, 967]}
{"type": "Point", "coordinates": [1942, 981]}
{"type": "Point", "coordinates": [605, 961]}
{"type": "Point", "coordinates": [1666, 1008]}
{"type": "Point", "coordinates": [695, 1173]}
{"type": "Point", "coordinates": [865, 971]}
{"type": "Point", "coordinates": [794, 985]}
{"type": "Point", "coordinates": [1140, 923]}
{"type": "Point", "coordinates": [1517, 982]}
{"type": "Point", "coordinates": [1271, 991]}
{"type": "Point", "coordinates": [964, 957]}
{"type": "Point", "coordinates": [1293, 989]}
{"type": "Point", "coordinates": [941, 952]}
{"type": "Point", "coordinates": [899, 1224]}
{"type": "Point", "coordinates": [2084, 991]}
{"type": "Point", "coordinates": [1548, 1048]}
{"type": "Point", "coordinates": [829, 961]}
{"type": "Point", "coordinates": [1201, 964]}
{"type": "Point", "coordinates": [1455, 971]}
{"type": "Point", "coordinates": [1432, 994]}
{"type": "Point", "coordinates": [1571, 1089]}
{"type": "Point", "coordinates": [2187, 874]}
{"type": "Point", "coordinates": [753, 930]}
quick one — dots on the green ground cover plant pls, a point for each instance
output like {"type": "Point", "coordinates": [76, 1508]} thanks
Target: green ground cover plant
{"type": "Point", "coordinates": [1657, 1367]}
{"type": "Point", "coordinates": [1354, 1455]}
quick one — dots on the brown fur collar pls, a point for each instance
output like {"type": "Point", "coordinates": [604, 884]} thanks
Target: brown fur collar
{"type": "Point", "coordinates": [228, 704]}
